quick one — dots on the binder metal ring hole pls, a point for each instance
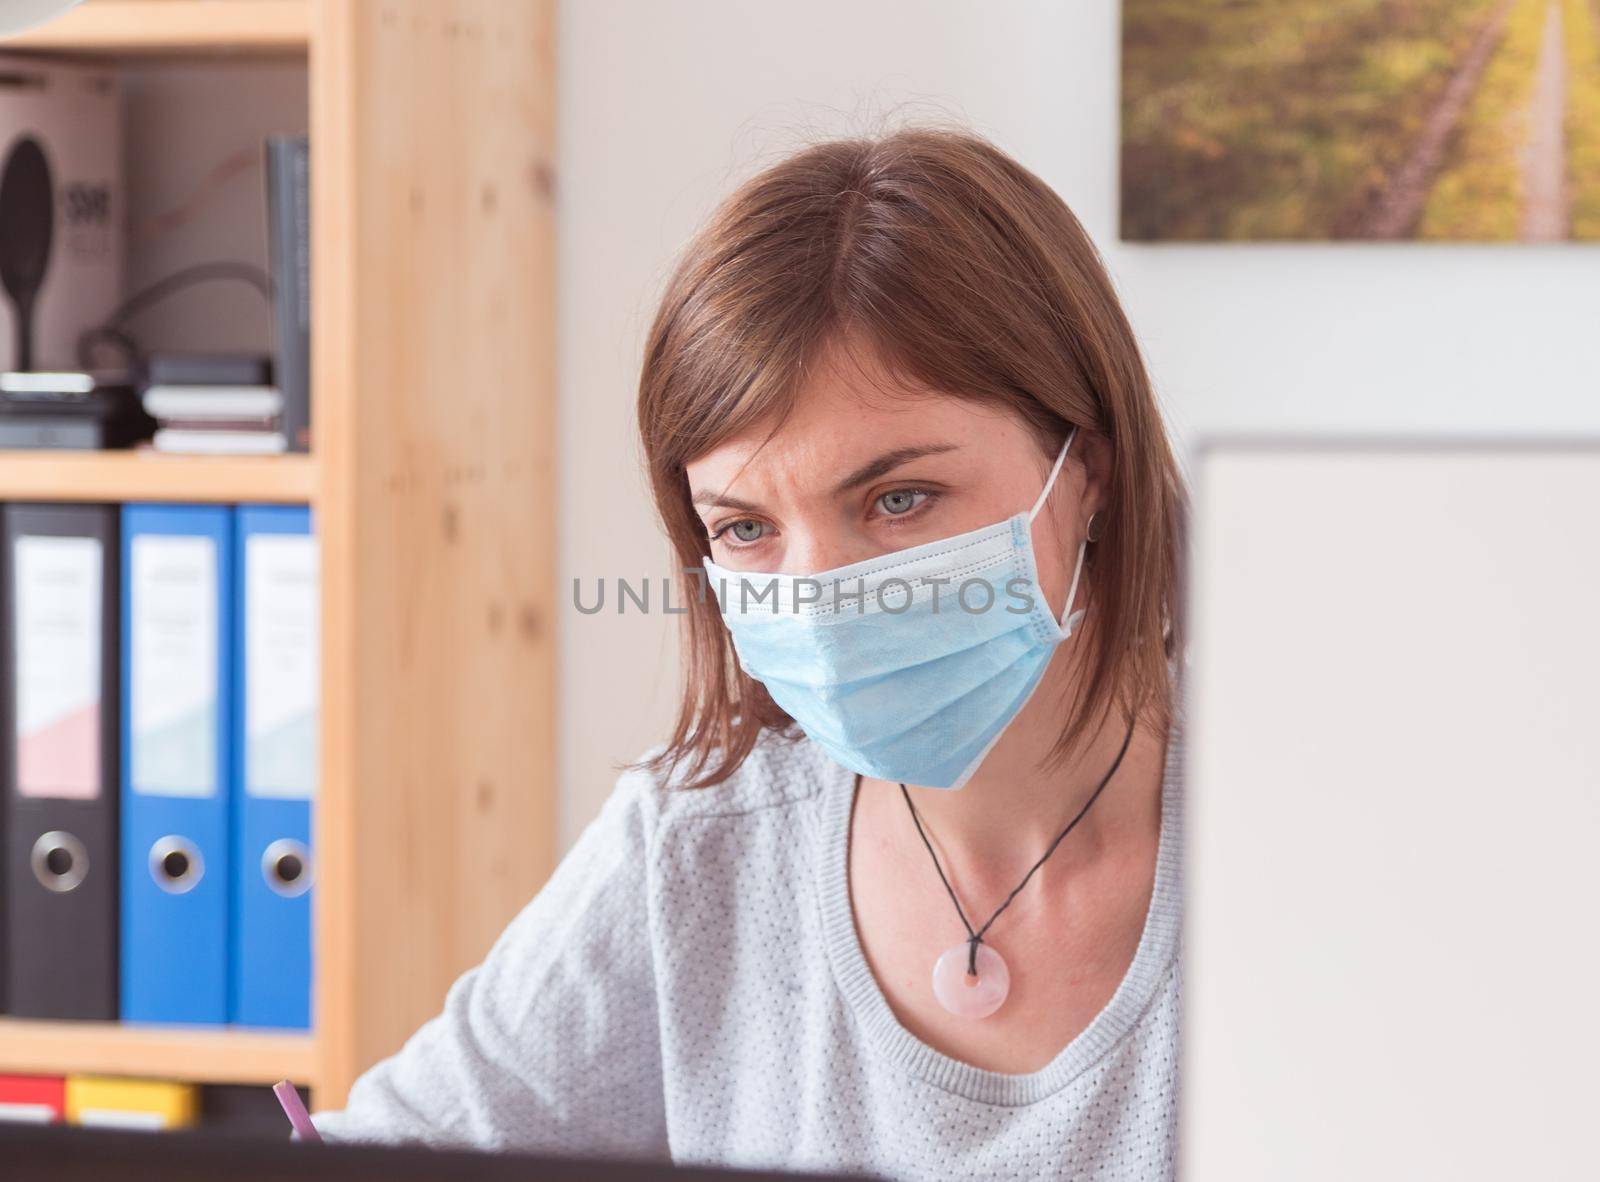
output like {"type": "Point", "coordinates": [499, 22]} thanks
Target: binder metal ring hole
{"type": "Point", "coordinates": [286, 865]}
{"type": "Point", "coordinates": [176, 865]}
{"type": "Point", "coordinates": [59, 861]}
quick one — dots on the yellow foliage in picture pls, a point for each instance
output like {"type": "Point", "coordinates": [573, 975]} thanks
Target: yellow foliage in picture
{"type": "Point", "coordinates": [1454, 120]}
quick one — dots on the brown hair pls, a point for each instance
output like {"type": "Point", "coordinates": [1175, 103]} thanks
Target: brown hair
{"type": "Point", "coordinates": [968, 275]}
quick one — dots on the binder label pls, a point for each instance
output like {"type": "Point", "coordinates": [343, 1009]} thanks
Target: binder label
{"type": "Point", "coordinates": [58, 638]}
{"type": "Point", "coordinates": [28, 1114]}
{"type": "Point", "coordinates": [281, 664]}
{"type": "Point", "coordinates": [173, 652]}
{"type": "Point", "coordinates": [122, 1118]}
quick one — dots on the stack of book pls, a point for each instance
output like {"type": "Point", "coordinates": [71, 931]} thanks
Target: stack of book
{"type": "Point", "coordinates": [214, 403]}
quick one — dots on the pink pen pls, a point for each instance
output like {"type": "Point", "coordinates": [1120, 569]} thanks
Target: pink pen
{"type": "Point", "coordinates": [295, 1111]}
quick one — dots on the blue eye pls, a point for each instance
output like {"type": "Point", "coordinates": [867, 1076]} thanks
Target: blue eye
{"type": "Point", "coordinates": [744, 531]}
{"type": "Point", "coordinates": [902, 500]}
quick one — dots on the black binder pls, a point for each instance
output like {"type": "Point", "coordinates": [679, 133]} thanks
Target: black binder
{"type": "Point", "coordinates": [59, 699]}
{"type": "Point", "coordinates": [288, 166]}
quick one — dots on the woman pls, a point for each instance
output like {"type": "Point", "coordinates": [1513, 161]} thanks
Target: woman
{"type": "Point", "coordinates": [899, 427]}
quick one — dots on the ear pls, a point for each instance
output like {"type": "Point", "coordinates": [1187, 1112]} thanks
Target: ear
{"type": "Point", "coordinates": [1095, 456]}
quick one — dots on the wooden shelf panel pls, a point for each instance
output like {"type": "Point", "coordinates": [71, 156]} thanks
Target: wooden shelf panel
{"type": "Point", "coordinates": [152, 476]}
{"type": "Point", "coordinates": [200, 1055]}
{"type": "Point", "coordinates": [173, 26]}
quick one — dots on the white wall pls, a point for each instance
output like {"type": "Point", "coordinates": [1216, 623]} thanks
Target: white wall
{"type": "Point", "coordinates": [193, 157]}
{"type": "Point", "coordinates": [666, 105]}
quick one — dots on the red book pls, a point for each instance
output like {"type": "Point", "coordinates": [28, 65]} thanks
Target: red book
{"type": "Point", "coordinates": [33, 1099]}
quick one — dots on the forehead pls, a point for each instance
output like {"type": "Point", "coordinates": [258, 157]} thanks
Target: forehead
{"type": "Point", "coordinates": [849, 409]}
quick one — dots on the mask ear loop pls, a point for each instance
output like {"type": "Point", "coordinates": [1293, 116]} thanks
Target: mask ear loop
{"type": "Point", "coordinates": [1065, 622]}
{"type": "Point", "coordinates": [1050, 480]}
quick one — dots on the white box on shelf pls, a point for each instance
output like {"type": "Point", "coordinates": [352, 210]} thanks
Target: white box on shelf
{"type": "Point", "coordinates": [61, 216]}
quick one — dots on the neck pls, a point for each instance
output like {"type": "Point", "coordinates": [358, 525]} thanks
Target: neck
{"type": "Point", "coordinates": [1019, 799]}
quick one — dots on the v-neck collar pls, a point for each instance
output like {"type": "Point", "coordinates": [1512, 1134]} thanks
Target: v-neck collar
{"type": "Point", "coordinates": [1153, 960]}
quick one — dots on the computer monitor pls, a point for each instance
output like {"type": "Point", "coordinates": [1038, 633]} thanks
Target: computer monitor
{"type": "Point", "coordinates": [63, 1153]}
{"type": "Point", "coordinates": [1392, 951]}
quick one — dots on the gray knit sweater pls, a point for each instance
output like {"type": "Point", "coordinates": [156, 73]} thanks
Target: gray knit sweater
{"type": "Point", "coordinates": [689, 984]}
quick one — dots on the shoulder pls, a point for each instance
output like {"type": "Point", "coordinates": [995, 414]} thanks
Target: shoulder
{"type": "Point", "coordinates": [780, 770]}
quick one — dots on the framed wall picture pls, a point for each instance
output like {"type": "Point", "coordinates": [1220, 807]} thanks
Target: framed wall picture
{"type": "Point", "coordinates": [1452, 120]}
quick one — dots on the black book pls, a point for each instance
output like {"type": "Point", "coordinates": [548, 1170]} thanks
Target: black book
{"type": "Point", "coordinates": [54, 433]}
{"type": "Point", "coordinates": [106, 416]}
{"type": "Point", "coordinates": [208, 369]}
{"type": "Point", "coordinates": [289, 257]}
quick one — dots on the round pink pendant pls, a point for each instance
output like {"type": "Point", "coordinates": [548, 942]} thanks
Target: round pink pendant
{"type": "Point", "coordinates": [968, 996]}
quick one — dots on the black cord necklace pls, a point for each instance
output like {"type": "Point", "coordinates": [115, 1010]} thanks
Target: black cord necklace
{"type": "Point", "coordinates": [982, 988]}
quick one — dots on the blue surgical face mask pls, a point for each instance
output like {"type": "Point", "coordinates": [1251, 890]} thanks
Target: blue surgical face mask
{"type": "Point", "coordinates": [905, 667]}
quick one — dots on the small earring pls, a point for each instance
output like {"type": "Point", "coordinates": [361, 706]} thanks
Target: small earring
{"type": "Point", "coordinates": [1095, 530]}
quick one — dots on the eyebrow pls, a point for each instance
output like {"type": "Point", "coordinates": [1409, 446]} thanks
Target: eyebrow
{"type": "Point", "coordinates": [723, 501]}
{"type": "Point", "coordinates": [870, 471]}
{"type": "Point", "coordinates": [888, 462]}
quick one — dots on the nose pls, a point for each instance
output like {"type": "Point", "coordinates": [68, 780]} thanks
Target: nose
{"type": "Point", "coordinates": [811, 552]}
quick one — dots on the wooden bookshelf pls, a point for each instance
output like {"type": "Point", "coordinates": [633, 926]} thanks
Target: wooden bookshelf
{"type": "Point", "coordinates": [195, 1054]}
{"type": "Point", "coordinates": [126, 27]}
{"type": "Point", "coordinates": [433, 487]}
{"type": "Point", "coordinates": [151, 476]}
